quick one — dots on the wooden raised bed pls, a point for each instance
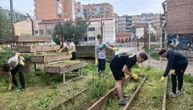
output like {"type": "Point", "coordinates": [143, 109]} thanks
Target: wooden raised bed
{"type": "Point", "coordinates": [63, 68]}
{"type": "Point", "coordinates": [47, 58]}
{"type": "Point", "coordinates": [33, 39]}
{"type": "Point", "coordinates": [89, 51]}
{"type": "Point", "coordinates": [37, 48]}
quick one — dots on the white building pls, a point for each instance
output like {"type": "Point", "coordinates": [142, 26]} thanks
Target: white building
{"type": "Point", "coordinates": [108, 30]}
{"type": "Point", "coordinates": [140, 33]}
{"type": "Point", "coordinates": [141, 30]}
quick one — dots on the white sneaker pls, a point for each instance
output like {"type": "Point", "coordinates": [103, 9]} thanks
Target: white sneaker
{"type": "Point", "coordinates": [174, 95]}
{"type": "Point", "coordinates": [178, 92]}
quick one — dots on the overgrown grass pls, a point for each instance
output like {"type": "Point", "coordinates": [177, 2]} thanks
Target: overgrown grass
{"type": "Point", "coordinates": [153, 52]}
{"type": "Point", "coordinates": [129, 89]}
{"type": "Point", "coordinates": [150, 97]}
{"type": "Point", "coordinates": [185, 100]}
{"type": "Point", "coordinates": [45, 91]}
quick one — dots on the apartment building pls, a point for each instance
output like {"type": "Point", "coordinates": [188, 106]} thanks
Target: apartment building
{"type": "Point", "coordinates": [103, 10]}
{"type": "Point", "coordinates": [54, 9]}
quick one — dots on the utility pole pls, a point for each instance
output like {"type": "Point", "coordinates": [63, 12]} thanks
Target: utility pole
{"type": "Point", "coordinates": [102, 26]}
{"type": "Point", "coordinates": [12, 19]}
{"type": "Point", "coordinates": [101, 22]}
{"type": "Point", "coordinates": [59, 12]}
{"type": "Point", "coordinates": [149, 38]}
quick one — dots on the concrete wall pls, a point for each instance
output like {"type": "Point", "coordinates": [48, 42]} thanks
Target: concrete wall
{"type": "Point", "coordinates": [179, 17]}
{"type": "Point", "coordinates": [23, 27]}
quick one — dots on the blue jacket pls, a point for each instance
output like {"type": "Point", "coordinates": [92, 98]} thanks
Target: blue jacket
{"type": "Point", "coordinates": [174, 60]}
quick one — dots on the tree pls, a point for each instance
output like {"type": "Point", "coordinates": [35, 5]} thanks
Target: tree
{"type": "Point", "coordinates": [57, 33]}
{"type": "Point", "coordinates": [152, 36]}
{"type": "Point", "coordinates": [5, 27]}
{"type": "Point", "coordinates": [74, 31]}
{"type": "Point", "coordinates": [80, 29]}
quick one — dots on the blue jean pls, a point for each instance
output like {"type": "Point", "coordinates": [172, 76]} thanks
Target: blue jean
{"type": "Point", "coordinates": [101, 65]}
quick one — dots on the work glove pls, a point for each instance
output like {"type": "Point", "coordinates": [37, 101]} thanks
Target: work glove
{"type": "Point", "coordinates": [70, 52]}
{"type": "Point", "coordinates": [135, 76]}
{"type": "Point", "coordinates": [162, 79]}
{"type": "Point", "coordinates": [10, 87]}
{"type": "Point", "coordinates": [21, 63]}
{"type": "Point", "coordinates": [115, 49]}
{"type": "Point", "coordinates": [172, 72]}
{"type": "Point", "coordinates": [96, 61]}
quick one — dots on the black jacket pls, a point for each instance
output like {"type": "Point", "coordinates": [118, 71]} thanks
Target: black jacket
{"type": "Point", "coordinates": [174, 60]}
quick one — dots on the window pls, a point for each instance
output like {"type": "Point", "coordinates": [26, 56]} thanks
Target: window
{"type": "Point", "coordinates": [41, 32]}
{"type": "Point", "coordinates": [49, 32]}
{"type": "Point", "coordinates": [91, 29]}
{"type": "Point", "coordinates": [36, 32]}
{"type": "Point", "coordinates": [91, 38]}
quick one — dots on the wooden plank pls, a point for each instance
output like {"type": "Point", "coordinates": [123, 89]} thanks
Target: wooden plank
{"type": "Point", "coordinates": [164, 101]}
{"type": "Point", "coordinates": [37, 48]}
{"type": "Point", "coordinates": [33, 39]}
{"type": "Point", "coordinates": [69, 100]}
{"type": "Point", "coordinates": [49, 58]}
{"type": "Point", "coordinates": [89, 51]}
{"type": "Point", "coordinates": [103, 100]}
{"type": "Point", "coordinates": [62, 69]}
{"type": "Point", "coordinates": [128, 105]}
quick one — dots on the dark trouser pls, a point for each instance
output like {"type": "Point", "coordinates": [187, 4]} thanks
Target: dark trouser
{"type": "Point", "coordinates": [101, 65]}
{"type": "Point", "coordinates": [73, 56]}
{"type": "Point", "coordinates": [18, 69]}
{"type": "Point", "coordinates": [180, 69]}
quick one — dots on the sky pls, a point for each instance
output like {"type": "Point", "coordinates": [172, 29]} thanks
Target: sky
{"type": "Point", "coordinates": [121, 7]}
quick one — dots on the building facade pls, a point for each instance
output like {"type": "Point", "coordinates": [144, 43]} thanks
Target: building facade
{"type": "Point", "coordinates": [51, 12]}
{"type": "Point", "coordinates": [54, 9]}
{"type": "Point", "coordinates": [152, 19]}
{"type": "Point", "coordinates": [103, 26]}
{"type": "Point", "coordinates": [123, 23]}
{"type": "Point", "coordinates": [78, 9]}
{"type": "Point", "coordinates": [122, 37]}
{"type": "Point", "coordinates": [179, 17]}
{"type": "Point", "coordinates": [23, 27]}
{"type": "Point", "coordinates": [103, 10]}
{"type": "Point", "coordinates": [177, 23]}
